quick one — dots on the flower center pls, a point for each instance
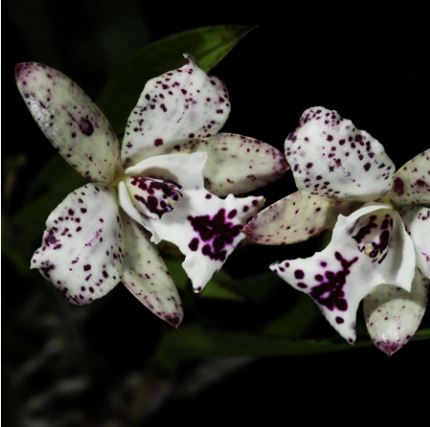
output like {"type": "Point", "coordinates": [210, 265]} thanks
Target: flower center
{"type": "Point", "coordinates": [372, 234]}
{"type": "Point", "coordinates": [153, 197]}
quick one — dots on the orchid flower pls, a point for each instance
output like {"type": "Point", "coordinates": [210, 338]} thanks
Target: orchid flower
{"type": "Point", "coordinates": [96, 237]}
{"type": "Point", "coordinates": [380, 246]}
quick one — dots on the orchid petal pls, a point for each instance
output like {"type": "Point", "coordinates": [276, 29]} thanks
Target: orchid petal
{"type": "Point", "coordinates": [181, 104]}
{"type": "Point", "coordinates": [146, 276]}
{"type": "Point", "coordinates": [186, 170]}
{"type": "Point", "coordinates": [330, 157]}
{"type": "Point", "coordinates": [412, 181]}
{"type": "Point", "coordinates": [295, 218]}
{"type": "Point", "coordinates": [205, 228]}
{"type": "Point", "coordinates": [368, 248]}
{"type": "Point", "coordinates": [394, 315]}
{"type": "Point", "coordinates": [236, 164]}
{"type": "Point", "coordinates": [81, 251]}
{"type": "Point", "coordinates": [70, 120]}
{"type": "Point", "coordinates": [417, 223]}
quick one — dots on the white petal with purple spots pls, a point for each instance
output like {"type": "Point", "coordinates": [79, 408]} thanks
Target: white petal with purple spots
{"type": "Point", "coordinates": [146, 276]}
{"type": "Point", "coordinates": [417, 223]}
{"type": "Point", "coordinates": [329, 156]}
{"type": "Point", "coordinates": [81, 251]}
{"type": "Point", "coordinates": [205, 228]}
{"type": "Point", "coordinates": [236, 164]}
{"type": "Point", "coordinates": [412, 181]}
{"type": "Point", "coordinates": [368, 248]}
{"type": "Point", "coordinates": [394, 315]}
{"type": "Point", "coordinates": [181, 104]}
{"type": "Point", "coordinates": [70, 120]}
{"type": "Point", "coordinates": [295, 218]}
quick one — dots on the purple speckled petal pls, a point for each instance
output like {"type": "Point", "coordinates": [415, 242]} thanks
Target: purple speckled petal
{"type": "Point", "coordinates": [368, 248]}
{"type": "Point", "coordinates": [412, 181]}
{"type": "Point", "coordinates": [70, 120]}
{"type": "Point", "coordinates": [236, 164]}
{"type": "Point", "coordinates": [81, 251]}
{"type": "Point", "coordinates": [181, 104]}
{"type": "Point", "coordinates": [394, 315]}
{"type": "Point", "coordinates": [417, 223]}
{"type": "Point", "coordinates": [146, 276]}
{"type": "Point", "coordinates": [205, 228]}
{"type": "Point", "coordinates": [330, 157]}
{"type": "Point", "coordinates": [296, 218]}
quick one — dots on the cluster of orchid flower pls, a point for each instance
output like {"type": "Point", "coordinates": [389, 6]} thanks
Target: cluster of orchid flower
{"type": "Point", "coordinates": [175, 179]}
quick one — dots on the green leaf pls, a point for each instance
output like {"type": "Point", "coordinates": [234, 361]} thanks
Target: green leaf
{"type": "Point", "coordinates": [221, 286]}
{"type": "Point", "coordinates": [195, 342]}
{"type": "Point", "coordinates": [258, 287]}
{"type": "Point", "coordinates": [55, 177]}
{"type": "Point", "coordinates": [48, 189]}
{"type": "Point", "coordinates": [294, 322]}
{"type": "Point", "coordinates": [208, 45]}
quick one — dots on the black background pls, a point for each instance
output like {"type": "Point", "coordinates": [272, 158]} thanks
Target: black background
{"type": "Point", "coordinates": [369, 66]}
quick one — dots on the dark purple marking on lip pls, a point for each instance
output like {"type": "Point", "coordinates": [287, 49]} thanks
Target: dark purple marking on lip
{"type": "Point", "coordinates": [217, 233]}
{"type": "Point", "coordinates": [46, 269]}
{"type": "Point", "coordinates": [329, 293]}
{"type": "Point", "coordinates": [156, 195]}
{"type": "Point", "coordinates": [373, 237]}
{"type": "Point", "coordinates": [299, 274]}
{"type": "Point", "coordinates": [194, 244]}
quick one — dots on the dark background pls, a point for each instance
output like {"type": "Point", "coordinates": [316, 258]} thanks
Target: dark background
{"type": "Point", "coordinates": [369, 67]}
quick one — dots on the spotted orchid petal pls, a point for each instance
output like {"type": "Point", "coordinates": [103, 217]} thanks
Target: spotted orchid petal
{"type": "Point", "coordinates": [330, 157]}
{"type": "Point", "coordinates": [146, 276]}
{"type": "Point", "coordinates": [205, 228]}
{"type": "Point", "coordinates": [236, 164]}
{"type": "Point", "coordinates": [295, 218]}
{"type": "Point", "coordinates": [394, 315]}
{"type": "Point", "coordinates": [412, 181]}
{"type": "Point", "coordinates": [70, 120]}
{"type": "Point", "coordinates": [81, 251]}
{"type": "Point", "coordinates": [417, 223]}
{"type": "Point", "coordinates": [181, 104]}
{"type": "Point", "coordinates": [368, 248]}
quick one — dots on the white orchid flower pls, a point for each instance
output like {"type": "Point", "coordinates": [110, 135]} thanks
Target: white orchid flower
{"type": "Point", "coordinates": [380, 251]}
{"type": "Point", "coordinates": [95, 238]}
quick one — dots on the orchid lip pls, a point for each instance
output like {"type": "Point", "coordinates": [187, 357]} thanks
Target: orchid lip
{"type": "Point", "coordinates": [153, 197]}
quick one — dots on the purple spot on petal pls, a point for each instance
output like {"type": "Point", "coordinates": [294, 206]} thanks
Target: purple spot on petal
{"type": "Point", "coordinates": [86, 126]}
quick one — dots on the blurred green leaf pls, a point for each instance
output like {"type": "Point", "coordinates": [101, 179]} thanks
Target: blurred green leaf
{"type": "Point", "coordinates": [219, 287]}
{"type": "Point", "coordinates": [54, 181]}
{"type": "Point", "coordinates": [258, 287]}
{"type": "Point", "coordinates": [119, 30]}
{"type": "Point", "coordinates": [194, 342]}
{"type": "Point", "coordinates": [54, 173]}
{"type": "Point", "coordinates": [294, 322]}
{"type": "Point", "coordinates": [36, 23]}
{"type": "Point", "coordinates": [208, 45]}
{"type": "Point", "coordinates": [10, 249]}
